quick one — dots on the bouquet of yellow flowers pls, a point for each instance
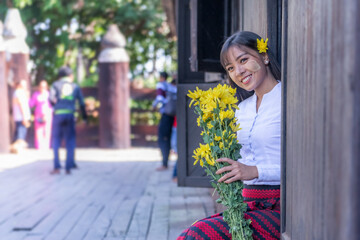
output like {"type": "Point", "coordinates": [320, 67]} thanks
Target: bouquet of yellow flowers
{"type": "Point", "coordinates": [217, 119]}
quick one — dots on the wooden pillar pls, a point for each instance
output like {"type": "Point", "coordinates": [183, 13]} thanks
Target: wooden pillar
{"type": "Point", "coordinates": [321, 164]}
{"type": "Point", "coordinates": [17, 50]}
{"type": "Point", "coordinates": [114, 129]}
{"type": "Point", "coordinates": [4, 106]}
{"type": "Point", "coordinates": [17, 54]}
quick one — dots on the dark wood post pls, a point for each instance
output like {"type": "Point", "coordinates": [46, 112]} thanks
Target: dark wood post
{"type": "Point", "coordinates": [4, 106]}
{"type": "Point", "coordinates": [18, 51]}
{"type": "Point", "coordinates": [114, 129]}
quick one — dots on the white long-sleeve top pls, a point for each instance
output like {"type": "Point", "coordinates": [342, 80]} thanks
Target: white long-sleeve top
{"type": "Point", "coordinates": [260, 136]}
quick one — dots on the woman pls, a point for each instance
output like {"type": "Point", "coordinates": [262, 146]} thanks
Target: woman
{"type": "Point", "coordinates": [257, 79]}
{"type": "Point", "coordinates": [42, 116]}
{"type": "Point", "coordinates": [21, 113]}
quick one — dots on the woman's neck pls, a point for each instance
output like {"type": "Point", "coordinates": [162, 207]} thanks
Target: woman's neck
{"type": "Point", "coordinates": [267, 85]}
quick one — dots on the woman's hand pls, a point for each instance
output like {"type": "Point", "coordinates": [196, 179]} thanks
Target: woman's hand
{"type": "Point", "coordinates": [236, 171]}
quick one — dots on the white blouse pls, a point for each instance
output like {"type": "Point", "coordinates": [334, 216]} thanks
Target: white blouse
{"type": "Point", "coordinates": [260, 136]}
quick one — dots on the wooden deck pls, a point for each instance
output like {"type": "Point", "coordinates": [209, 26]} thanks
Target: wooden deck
{"type": "Point", "coordinates": [113, 195]}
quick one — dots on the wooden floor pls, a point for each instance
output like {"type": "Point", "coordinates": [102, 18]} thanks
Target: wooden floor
{"type": "Point", "coordinates": [113, 195]}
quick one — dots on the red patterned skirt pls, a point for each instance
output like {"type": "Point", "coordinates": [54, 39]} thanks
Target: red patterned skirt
{"type": "Point", "coordinates": [263, 209]}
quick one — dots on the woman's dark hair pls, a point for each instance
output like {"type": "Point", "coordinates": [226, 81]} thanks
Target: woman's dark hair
{"type": "Point", "coordinates": [247, 39]}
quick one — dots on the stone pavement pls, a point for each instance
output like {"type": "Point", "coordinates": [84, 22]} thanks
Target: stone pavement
{"type": "Point", "coordinates": [115, 194]}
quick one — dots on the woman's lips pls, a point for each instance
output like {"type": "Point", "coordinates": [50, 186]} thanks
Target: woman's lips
{"type": "Point", "coordinates": [246, 79]}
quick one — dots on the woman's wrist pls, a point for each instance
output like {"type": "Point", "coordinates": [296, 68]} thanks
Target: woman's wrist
{"type": "Point", "coordinates": [255, 172]}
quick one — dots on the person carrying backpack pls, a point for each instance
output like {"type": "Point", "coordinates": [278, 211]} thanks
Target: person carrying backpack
{"type": "Point", "coordinates": [166, 98]}
{"type": "Point", "coordinates": [63, 96]}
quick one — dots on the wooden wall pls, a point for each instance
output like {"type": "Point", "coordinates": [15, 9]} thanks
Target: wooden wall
{"type": "Point", "coordinates": [264, 18]}
{"type": "Point", "coordinates": [320, 181]}
{"type": "Point", "coordinates": [253, 16]}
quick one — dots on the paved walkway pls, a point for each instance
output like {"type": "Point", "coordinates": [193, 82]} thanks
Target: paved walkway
{"type": "Point", "coordinates": [115, 194]}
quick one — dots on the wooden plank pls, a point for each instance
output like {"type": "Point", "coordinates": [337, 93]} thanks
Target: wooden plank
{"type": "Point", "coordinates": [103, 200]}
{"type": "Point", "coordinates": [159, 224]}
{"type": "Point", "coordinates": [141, 219]}
{"type": "Point", "coordinates": [84, 223]}
{"type": "Point", "coordinates": [100, 227]}
{"type": "Point", "coordinates": [121, 221]}
{"type": "Point", "coordinates": [14, 236]}
{"type": "Point", "coordinates": [194, 209]}
{"type": "Point", "coordinates": [70, 220]}
{"type": "Point", "coordinates": [178, 219]}
{"type": "Point", "coordinates": [39, 210]}
{"type": "Point", "coordinates": [33, 237]}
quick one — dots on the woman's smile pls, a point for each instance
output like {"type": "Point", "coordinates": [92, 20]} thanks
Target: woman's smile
{"type": "Point", "coordinates": [246, 80]}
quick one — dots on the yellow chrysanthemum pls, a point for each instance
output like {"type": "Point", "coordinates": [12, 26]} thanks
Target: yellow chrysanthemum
{"type": "Point", "coordinates": [217, 138]}
{"type": "Point", "coordinates": [209, 125]}
{"type": "Point", "coordinates": [235, 127]}
{"type": "Point", "coordinates": [203, 152]}
{"type": "Point", "coordinates": [261, 45]}
{"type": "Point", "coordinates": [221, 145]}
{"type": "Point", "coordinates": [197, 157]}
{"type": "Point", "coordinates": [195, 96]}
{"type": "Point", "coordinates": [198, 121]}
{"type": "Point", "coordinates": [206, 116]}
{"type": "Point", "coordinates": [210, 160]}
{"type": "Point", "coordinates": [227, 114]}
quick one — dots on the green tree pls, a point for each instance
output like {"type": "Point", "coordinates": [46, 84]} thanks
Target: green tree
{"type": "Point", "coordinates": [59, 30]}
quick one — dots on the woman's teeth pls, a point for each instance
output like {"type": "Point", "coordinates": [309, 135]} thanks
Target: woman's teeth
{"type": "Point", "coordinates": [246, 80]}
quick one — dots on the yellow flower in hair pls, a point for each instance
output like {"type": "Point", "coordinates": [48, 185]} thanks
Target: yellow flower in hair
{"type": "Point", "coordinates": [261, 45]}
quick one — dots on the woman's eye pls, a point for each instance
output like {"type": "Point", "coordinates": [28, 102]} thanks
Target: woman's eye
{"type": "Point", "coordinates": [243, 60]}
{"type": "Point", "coordinates": [229, 69]}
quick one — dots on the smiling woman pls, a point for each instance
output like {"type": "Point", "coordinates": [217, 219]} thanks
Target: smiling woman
{"type": "Point", "coordinates": [253, 70]}
{"type": "Point", "coordinates": [241, 58]}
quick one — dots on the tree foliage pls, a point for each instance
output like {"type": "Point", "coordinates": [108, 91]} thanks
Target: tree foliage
{"type": "Point", "coordinates": [59, 30]}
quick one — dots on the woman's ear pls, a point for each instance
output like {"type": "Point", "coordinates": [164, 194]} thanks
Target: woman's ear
{"type": "Point", "coordinates": [265, 58]}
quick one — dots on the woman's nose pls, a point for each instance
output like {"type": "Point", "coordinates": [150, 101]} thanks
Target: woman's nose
{"type": "Point", "coordinates": [239, 70]}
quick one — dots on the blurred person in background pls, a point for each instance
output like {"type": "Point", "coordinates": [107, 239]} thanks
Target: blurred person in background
{"type": "Point", "coordinates": [63, 96]}
{"type": "Point", "coordinates": [174, 147]}
{"type": "Point", "coordinates": [42, 116]}
{"type": "Point", "coordinates": [21, 115]}
{"type": "Point", "coordinates": [166, 101]}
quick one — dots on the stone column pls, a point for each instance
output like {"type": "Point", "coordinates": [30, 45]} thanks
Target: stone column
{"type": "Point", "coordinates": [114, 91]}
{"type": "Point", "coordinates": [17, 50]}
{"type": "Point", "coordinates": [4, 106]}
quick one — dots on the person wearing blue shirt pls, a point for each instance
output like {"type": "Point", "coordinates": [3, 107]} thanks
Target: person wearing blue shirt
{"type": "Point", "coordinates": [63, 96]}
{"type": "Point", "coordinates": [164, 90]}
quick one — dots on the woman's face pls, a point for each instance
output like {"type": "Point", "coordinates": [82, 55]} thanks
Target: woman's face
{"type": "Point", "coordinates": [246, 67]}
{"type": "Point", "coordinates": [43, 85]}
{"type": "Point", "coordinates": [23, 84]}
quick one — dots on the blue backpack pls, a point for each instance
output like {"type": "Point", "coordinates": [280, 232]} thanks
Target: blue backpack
{"type": "Point", "coordinates": [170, 104]}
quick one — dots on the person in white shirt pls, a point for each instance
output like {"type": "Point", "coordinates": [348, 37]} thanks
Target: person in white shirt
{"type": "Point", "coordinates": [21, 112]}
{"type": "Point", "coordinates": [255, 72]}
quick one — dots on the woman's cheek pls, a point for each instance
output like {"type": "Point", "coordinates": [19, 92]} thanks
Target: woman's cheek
{"type": "Point", "coordinates": [252, 66]}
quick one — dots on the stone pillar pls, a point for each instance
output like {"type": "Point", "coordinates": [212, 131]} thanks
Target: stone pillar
{"type": "Point", "coordinates": [17, 50]}
{"type": "Point", "coordinates": [114, 91]}
{"type": "Point", "coordinates": [4, 106]}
